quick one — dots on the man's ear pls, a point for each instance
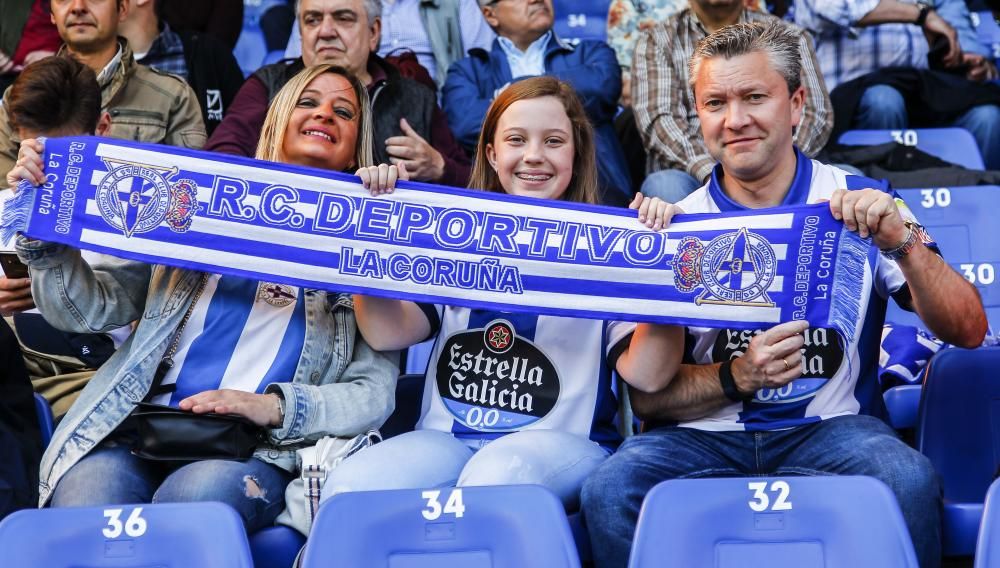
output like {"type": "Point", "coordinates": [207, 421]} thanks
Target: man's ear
{"type": "Point", "coordinates": [376, 35]}
{"type": "Point", "coordinates": [490, 16]}
{"type": "Point", "coordinates": [798, 103]}
{"type": "Point", "coordinates": [103, 124]}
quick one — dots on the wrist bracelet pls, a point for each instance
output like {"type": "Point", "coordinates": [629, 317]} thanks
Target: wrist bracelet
{"type": "Point", "coordinates": [281, 409]}
{"type": "Point", "coordinates": [729, 383]}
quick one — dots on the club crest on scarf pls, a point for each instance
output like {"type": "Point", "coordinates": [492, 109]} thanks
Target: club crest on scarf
{"type": "Point", "coordinates": [735, 268]}
{"type": "Point", "coordinates": [278, 295]}
{"type": "Point", "coordinates": [136, 198]}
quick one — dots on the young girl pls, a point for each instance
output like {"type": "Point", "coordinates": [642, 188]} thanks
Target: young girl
{"type": "Point", "coordinates": [513, 397]}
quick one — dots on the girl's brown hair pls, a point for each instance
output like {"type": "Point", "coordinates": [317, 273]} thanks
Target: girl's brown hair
{"type": "Point", "coordinates": [583, 185]}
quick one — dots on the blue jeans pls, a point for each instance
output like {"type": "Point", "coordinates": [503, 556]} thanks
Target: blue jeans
{"type": "Point", "coordinates": [883, 108]}
{"type": "Point", "coordinates": [560, 461]}
{"type": "Point", "coordinates": [111, 475]}
{"type": "Point", "coordinates": [669, 185]}
{"type": "Point", "coordinates": [847, 445]}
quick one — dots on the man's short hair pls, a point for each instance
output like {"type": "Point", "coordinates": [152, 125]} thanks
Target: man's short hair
{"type": "Point", "coordinates": [779, 41]}
{"type": "Point", "coordinates": [372, 7]}
{"type": "Point", "coordinates": [55, 94]}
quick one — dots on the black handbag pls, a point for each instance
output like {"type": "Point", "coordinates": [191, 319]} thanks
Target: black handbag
{"type": "Point", "coordinates": [165, 433]}
{"type": "Point", "coordinates": [168, 434]}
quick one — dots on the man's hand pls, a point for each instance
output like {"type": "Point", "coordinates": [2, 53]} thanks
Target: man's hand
{"type": "Point", "coordinates": [15, 295]}
{"type": "Point", "coordinates": [870, 212]}
{"type": "Point", "coordinates": [935, 26]}
{"type": "Point", "coordinates": [772, 360]}
{"type": "Point", "coordinates": [261, 409]}
{"type": "Point", "coordinates": [29, 164]}
{"type": "Point", "coordinates": [979, 67]}
{"type": "Point", "coordinates": [421, 159]}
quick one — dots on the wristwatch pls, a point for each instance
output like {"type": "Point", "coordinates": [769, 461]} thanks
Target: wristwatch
{"type": "Point", "coordinates": [925, 8]}
{"type": "Point", "coordinates": [914, 233]}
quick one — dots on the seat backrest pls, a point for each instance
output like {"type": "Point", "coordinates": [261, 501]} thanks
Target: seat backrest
{"type": "Point", "coordinates": [126, 536]}
{"type": "Point", "coordinates": [46, 422]}
{"type": "Point", "coordinates": [959, 424]}
{"type": "Point", "coordinates": [988, 544]}
{"type": "Point", "coordinates": [962, 222]}
{"type": "Point", "coordinates": [581, 19]}
{"type": "Point", "coordinates": [953, 144]}
{"type": "Point", "coordinates": [474, 527]}
{"type": "Point", "coordinates": [988, 31]}
{"type": "Point", "coordinates": [775, 522]}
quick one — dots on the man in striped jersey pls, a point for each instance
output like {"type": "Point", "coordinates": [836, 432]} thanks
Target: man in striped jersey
{"type": "Point", "coordinates": [787, 400]}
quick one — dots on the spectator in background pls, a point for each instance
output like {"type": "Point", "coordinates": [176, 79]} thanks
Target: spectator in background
{"type": "Point", "coordinates": [205, 62]}
{"type": "Point", "coordinates": [627, 20]}
{"type": "Point", "coordinates": [859, 40]}
{"type": "Point", "coordinates": [27, 34]}
{"type": "Point", "coordinates": [526, 46]}
{"type": "Point", "coordinates": [678, 162]}
{"type": "Point", "coordinates": [409, 126]}
{"type": "Point", "coordinates": [220, 18]}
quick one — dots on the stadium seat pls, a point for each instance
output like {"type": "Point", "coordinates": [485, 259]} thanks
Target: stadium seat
{"type": "Point", "coordinates": [955, 145]}
{"type": "Point", "coordinates": [513, 526]}
{"type": "Point", "coordinates": [581, 19]}
{"type": "Point", "coordinates": [903, 404]}
{"type": "Point", "coordinates": [46, 422]}
{"type": "Point", "coordinates": [275, 547]}
{"type": "Point", "coordinates": [988, 544]}
{"type": "Point", "coordinates": [988, 31]}
{"type": "Point", "coordinates": [959, 431]}
{"type": "Point", "coordinates": [961, 220]}
{"type": "Point", "coordinates": [251, 47]}
{"type": "Point", "coordinates": [174, 535]}
{"type": "Point", "coordinates": [775, 522]}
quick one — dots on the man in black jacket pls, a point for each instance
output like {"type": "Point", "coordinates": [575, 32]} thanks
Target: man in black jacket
{"type": "Point", "coordinates": [205, 62]}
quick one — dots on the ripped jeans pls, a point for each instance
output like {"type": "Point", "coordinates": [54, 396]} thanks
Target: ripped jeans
{"type": "Point", "coordinates": [111, 475]}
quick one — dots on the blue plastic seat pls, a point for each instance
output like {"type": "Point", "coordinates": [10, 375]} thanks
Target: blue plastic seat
{"type": "Point", "coordinates": [514, 526]}
{"type": "Point", "coordinates": [988, 31]}
{"type": "Point", "coordinates": [988, 544]}
{"type": "Point", "coordinates": [175, 535]}
{"type": "Point", "coordinates": [955, 145]}
{"type": "Point", "coordinates": [959, 431]}
{"type": "Point", "coordinates": [581, 19]}
{"type": "Point", "coordinates": [275, 547]}
{"type": "Point", "coordinates": [903, 404]}
{"type": "Point", "coordinates": [962, 221]}
{"type": "Point", "coordinates": [791, 522]}
{"type": "Point", "coordinates": [46, 422]}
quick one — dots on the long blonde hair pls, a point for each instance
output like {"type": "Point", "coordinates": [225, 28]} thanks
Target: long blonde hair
{"type": "Point", "coordinates": [583, 185]}
{"type": "Point", "coordinates": [272, 135]}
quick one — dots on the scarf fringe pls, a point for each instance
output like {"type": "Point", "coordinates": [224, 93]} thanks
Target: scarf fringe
{"type": "Point", "coordinates": [17, 211]}
{"type": "Point", "coordinates": [845, 307]}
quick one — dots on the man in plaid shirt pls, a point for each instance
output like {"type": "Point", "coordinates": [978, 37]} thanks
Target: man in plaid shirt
{"type": "Point", "coordinates": [678, 161]}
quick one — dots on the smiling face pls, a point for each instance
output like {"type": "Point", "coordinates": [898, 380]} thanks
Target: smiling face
{"type": "Point", "coordinates": [533, 149]}
{"type": "Point", "coordinates": [88, 26]}
{"type": "Point", "coordinates": [747, 115]}
{"type": "Point", "coordinates": [337, 32]}
{"type": "Point", "coordinates": [323, 129]}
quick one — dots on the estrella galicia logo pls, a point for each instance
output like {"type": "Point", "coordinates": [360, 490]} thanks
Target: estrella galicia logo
{"type": "Point", "coordinates": [735, 268]}
{"type": "Point", "coordinates": [492, 380]}
{"type": "Point", "coordinates": [136, 198]}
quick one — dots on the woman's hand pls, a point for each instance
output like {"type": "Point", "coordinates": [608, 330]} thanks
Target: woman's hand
{"type": "Point", "coordinates": [261, 409]}
{"type": "Point", "coordinates": [382, 178]}
{"type": "Point", "coordinates": [29, 164]}
{"type": "Point", "coordinates": [654, 212]}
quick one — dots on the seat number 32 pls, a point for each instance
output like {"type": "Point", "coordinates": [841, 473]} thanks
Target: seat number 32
{"type": "Point", "coordinates": [134, 525]}
{"type": "Point", "coordinates": [452, 506]}
{"type": "Point", "coordinates": [762, 501]}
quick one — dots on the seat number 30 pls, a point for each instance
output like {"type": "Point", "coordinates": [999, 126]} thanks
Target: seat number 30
{"type": "Point", "coordinates": [762, 501]}
{"type": "Point", "coordinates": [133, 526]}
{"type": "Point", "coordinates": [452, 506]}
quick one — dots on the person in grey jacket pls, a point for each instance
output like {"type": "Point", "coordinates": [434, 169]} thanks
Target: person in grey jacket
{"type": "Point", "coordinates": [289, 359]}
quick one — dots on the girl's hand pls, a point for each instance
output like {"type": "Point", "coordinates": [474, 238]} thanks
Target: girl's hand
{"type": "Point", "coordinates": [654, 212]}
{"type": "Point", "coordinates": [29, 164]}
{"type": "Point", "coordinates": [382, 178]}
{"type": "Point", "coordinates": [261, 409]}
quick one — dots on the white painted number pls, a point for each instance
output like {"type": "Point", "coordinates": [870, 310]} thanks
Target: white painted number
{"type": "Point", "coordinates": [905, 137]}
{"type": "Point", "coordinates": [452, 506]}
{"type": "Point", "coordinates": [134, 526]}
{"type": "Point", "coordinates": [762, 502]}
{"type": "Point", "coordinates": [940, 197]}
{"type": "Point", "coordinates": [975, 19]}
{"type": "Point", "coordinates": [979, 273]}
{"type": "Point", "coordinates": [577, 20]}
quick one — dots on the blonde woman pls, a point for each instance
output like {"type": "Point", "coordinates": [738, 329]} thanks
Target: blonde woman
{"type": "Point", "coordinates": [288, 359]}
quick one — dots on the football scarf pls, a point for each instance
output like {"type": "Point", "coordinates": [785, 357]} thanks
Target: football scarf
{"type": "Point", "coordinates": [320, 229]}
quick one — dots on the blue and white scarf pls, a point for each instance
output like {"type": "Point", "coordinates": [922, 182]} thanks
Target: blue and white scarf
{"type": "Point", "coordinates": [320, 229]}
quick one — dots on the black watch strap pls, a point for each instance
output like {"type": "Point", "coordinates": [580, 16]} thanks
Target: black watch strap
{"type": "Point", "coordinates": [729, 383]}
{"type": "Point", "coordinates": [922, 16]}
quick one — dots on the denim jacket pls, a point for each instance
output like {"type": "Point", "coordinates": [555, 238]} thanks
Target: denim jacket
{"type": "Point", "coordinates": [341, 385]}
